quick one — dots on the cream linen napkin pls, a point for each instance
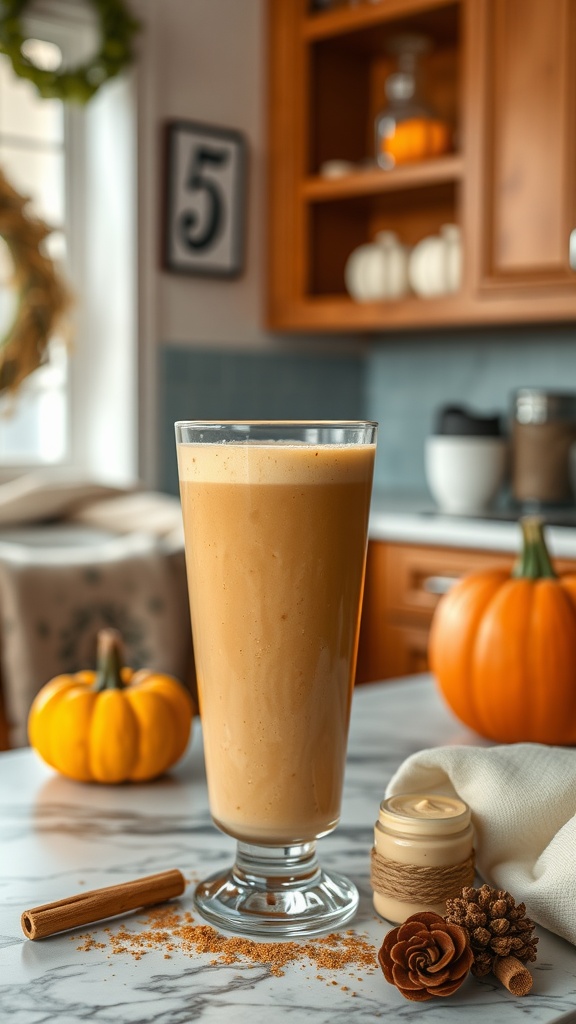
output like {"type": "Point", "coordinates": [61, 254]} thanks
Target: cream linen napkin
{"type": "Point", "coordinates": [523, 802]}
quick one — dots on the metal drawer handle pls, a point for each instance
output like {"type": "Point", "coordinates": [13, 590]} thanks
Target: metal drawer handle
{"type": "Point", "coordinates": [572, 250]}
{"type": "Point", "coordinates": [439, 584]}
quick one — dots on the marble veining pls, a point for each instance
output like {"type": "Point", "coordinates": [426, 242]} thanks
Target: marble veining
{"type": "Point", "coordinates": [58, 837]}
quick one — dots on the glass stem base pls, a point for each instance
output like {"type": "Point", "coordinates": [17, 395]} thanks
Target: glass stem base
{"type": "Point", "coordinates": [277, 891]}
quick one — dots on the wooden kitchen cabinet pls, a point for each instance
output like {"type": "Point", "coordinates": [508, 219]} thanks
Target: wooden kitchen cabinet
{"type": "Point", "coordinates": [523, 209]}
{"type": "Point", "coordinates": [503, 74]}
{"type": "Point", "coordinates": [404, 583]}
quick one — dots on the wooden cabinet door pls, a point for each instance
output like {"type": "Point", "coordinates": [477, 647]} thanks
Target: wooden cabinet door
{"type": "Point", "coordinates": [522, 91]}
{"type": "Point", "coordinates": [407, 650]}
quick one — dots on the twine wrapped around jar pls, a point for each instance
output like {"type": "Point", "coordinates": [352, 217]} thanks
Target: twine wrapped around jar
{"type": "Point", "coordinates": [423, 854]}
{"type": "Point", "coordinates": [414, 884]}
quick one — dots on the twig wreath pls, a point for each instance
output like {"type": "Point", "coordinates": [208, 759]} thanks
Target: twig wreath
{"type": "Point", "coordinates": [43, 298]}
{"type": "Point", "coordinates": [117, 29]}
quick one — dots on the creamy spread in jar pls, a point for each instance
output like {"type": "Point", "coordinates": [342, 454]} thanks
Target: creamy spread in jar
{"type": "Point", "coordinates": [423, 854]}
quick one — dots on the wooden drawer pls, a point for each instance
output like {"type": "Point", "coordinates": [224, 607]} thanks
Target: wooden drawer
{"type": "Point", "coordinates": [404, 583]}
{"type": "Point", "coordinates": [404, 651]}
{"type": "Point", "coordinates": [417, 577]}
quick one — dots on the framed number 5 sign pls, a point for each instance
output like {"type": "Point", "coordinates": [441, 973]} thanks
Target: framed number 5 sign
{"type": "Point", "coordinates": [205, 198]}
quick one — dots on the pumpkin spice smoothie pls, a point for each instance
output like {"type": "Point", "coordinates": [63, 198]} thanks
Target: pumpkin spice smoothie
{"type": "Point", "coordinates": [276, 537]}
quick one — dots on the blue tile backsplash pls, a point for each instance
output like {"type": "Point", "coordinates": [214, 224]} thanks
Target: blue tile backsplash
{"type": "Point", "coordinates": [408, 379]}
{"type": "Point", "coordinates": [223, 384]}
{"type": "Point", "coordinates": [401, 381]}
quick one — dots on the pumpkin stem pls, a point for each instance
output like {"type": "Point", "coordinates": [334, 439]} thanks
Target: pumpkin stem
{"type": "Point", "coordinates": [534, 561]}
{"type": "Point", "coordinates": [109, 660]}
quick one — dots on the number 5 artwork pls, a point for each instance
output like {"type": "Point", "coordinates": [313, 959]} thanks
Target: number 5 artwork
{"type": "Point", "coordinates": [205, 199]}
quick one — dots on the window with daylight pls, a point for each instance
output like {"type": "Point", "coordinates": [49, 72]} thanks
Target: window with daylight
{"type": "Point", "coordinates": [78, 166]}
{"type": "Point", "coordinates": [33, 139]}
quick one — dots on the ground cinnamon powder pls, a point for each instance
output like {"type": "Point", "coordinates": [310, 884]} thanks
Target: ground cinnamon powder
{"type": "Point", "coordinates": [167, 929]}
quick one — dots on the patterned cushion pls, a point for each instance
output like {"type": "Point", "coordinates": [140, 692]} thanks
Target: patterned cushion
{"type": "Point", "coordinates": [53, 601]}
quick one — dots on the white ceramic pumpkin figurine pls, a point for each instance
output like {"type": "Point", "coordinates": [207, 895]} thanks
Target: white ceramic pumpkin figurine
{"type": "Point", "coordinates": [378, 270]}
{"type": "Point", "coordinates": [435, 266]}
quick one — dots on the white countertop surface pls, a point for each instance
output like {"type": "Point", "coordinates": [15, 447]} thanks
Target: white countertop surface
{"type": "Point", "coordinates": [58, 837]}
{"type": "Point", "coordinates": [413, 519]}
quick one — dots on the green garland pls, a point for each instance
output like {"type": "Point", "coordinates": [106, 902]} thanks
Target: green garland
{"type": "Point", "coordinates": [117, 28]}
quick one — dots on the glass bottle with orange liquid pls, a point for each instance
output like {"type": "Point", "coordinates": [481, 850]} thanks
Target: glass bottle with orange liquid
{"type": "Point", "coordinates": [407, 129]}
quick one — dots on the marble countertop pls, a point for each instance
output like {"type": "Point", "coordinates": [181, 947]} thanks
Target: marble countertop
{"type": "Point", "coordinates": [58, 837]}
{"type": "Point", "coordinates": [412, 518]}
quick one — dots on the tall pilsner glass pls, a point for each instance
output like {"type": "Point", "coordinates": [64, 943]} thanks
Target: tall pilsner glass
{"type": "Point", "coordinates": [275, 521]}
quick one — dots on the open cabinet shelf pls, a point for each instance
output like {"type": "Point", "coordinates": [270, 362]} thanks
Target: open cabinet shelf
{"type": "Point", "coordinates": [327, 75]}
{"type": "Point", "coordinates": [374, 181]}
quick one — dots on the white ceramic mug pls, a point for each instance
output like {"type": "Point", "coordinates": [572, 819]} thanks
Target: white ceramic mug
{"type": "Point", "coordinates": [464, 474]}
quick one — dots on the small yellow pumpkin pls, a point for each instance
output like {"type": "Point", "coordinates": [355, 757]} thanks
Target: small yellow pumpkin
{"type": "Point", "coordinates": [112, 725]}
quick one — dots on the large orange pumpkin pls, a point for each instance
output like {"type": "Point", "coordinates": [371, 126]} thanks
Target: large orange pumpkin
{"type": "Point", "coordinates": [503, 649]}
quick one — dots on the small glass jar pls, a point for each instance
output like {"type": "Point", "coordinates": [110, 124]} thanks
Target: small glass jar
{"type": "Point", "coordinates": [543, 431]}
{"type": "Point", "coordinates": [407, 129]}
{"type": "Point", "coordinates": [423, 853]}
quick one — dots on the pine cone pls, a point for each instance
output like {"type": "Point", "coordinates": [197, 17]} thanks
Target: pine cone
{"type": "Point", "coordinates": [426, 956]}
{"type": "Point", "coordinates": [495, 925]}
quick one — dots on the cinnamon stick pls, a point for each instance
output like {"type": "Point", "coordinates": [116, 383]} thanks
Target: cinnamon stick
{"type": "Point", "coordinates": [513, 975]}
{"type": "Point", "coordinates": [88, 907]}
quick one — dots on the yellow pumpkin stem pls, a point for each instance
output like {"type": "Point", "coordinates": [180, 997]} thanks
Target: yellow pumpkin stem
{"type": "Point", "coordinates": [109, 660]}
{"type": "Point", "coordinates": [534, 562]}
